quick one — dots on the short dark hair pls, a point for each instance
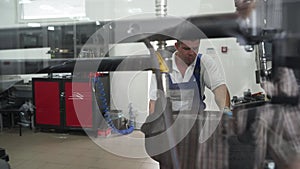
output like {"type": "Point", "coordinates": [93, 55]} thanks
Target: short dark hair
{"type": "Point", "coordinates": [180, 41]}
{"type": "Point", "coordinates": [187, 31]}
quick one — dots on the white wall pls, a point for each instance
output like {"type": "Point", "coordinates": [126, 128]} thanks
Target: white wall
{"type": "Point", "coordinates": [30, 53]}
{"type": "Point", "coordinates": [20, 54]}
{"type": "Point", "coordinates": [128, 49]}
{"type": "Point", "coordinates": [131, 87]}
{"type": "Point", "coordinates": [237, 65]}
{"type": "Point", "coordinates": [8, 13]}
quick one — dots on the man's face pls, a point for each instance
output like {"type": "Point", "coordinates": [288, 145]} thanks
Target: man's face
{"type": "Point", "coordinates": [187, 50]}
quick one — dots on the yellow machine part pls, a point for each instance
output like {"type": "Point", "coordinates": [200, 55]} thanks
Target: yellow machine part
{"type": "Point", "coordinates": [162, 64]}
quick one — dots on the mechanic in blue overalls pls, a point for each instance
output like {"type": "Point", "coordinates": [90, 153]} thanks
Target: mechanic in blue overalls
{"type": "Point", "coordinates": [188, 69]}
{"type": "Point", "coordinates": [190, 74]}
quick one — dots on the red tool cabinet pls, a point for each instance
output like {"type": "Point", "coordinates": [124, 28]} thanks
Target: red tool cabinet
{"type": "Point", "coordinates": [78, 104]}
{"type": "Point", "coordinates": [63, 104]}
{"type": "Point", "coordinates": [47, 103]}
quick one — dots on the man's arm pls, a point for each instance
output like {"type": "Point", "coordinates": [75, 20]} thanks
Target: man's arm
{"type": "Point", "coordinates": [222, 97]}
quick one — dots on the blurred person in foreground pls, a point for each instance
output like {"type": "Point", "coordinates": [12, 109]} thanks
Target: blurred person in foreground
{"type": "Point", "coordinates": [276, 127]}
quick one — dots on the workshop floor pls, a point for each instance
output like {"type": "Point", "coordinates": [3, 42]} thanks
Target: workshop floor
{"type": "Point", "coordinates": [50, 150]}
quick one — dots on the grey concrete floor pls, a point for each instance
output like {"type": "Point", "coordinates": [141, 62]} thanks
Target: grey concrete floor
{"type": "Point", "coordinates": [52, 150]}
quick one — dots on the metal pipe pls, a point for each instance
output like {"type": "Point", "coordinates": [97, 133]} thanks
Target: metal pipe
{"type": "Point", "coordinates": [161, 8]}
{"type": "Point", "coordinates": [263, 61]}
{"type": "Point", "coordinates": [132, 63]}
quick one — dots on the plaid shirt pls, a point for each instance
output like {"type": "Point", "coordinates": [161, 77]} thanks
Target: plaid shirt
{"type": "Point", "coordinates": [213, 153]}
{"type": "Point", "coordinates": [276, 127]}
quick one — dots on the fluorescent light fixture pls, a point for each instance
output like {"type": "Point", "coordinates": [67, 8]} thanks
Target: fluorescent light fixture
{"type": "Point", "coordinates": [34, 24]}
{"type": "Point", "coordinates": [135, 10]}
{"type": "Point", "coordinates": [97, 23]}
{"type": "Point", "coordinates": [45, 9]}
{"type": "Point", "coordinates": [24, 1]}
{"type": "Point", "coordinates": [51, 28]}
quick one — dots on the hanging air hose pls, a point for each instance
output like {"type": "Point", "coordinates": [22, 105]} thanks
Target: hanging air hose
{"type": "Point", "coordinates": [104, 107]}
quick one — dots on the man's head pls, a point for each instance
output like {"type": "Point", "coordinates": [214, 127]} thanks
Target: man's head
{"type": "Point", "coordinates": [244, 7]}
{"type": "Point", "coordinates": [187, 50]}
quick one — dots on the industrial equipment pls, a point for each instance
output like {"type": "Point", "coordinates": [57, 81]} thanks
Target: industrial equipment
{"type": "Point", "coordinates": [271, 29]}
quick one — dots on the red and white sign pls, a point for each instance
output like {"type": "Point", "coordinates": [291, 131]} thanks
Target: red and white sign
{"type": "Point", "coordinates": [224, 49]}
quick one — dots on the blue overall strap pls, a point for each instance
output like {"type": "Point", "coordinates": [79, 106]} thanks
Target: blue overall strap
{"type": "Point", "coordinates": [189, 84]}
{"type": "Point", "coordinates": [196, 74]}
{"type": "Point", "coordinates": [183, 85]}
{"type": "Point", "coordinates": [197, 70]}
{"type": "Point", "coordinates": [195, 77]}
